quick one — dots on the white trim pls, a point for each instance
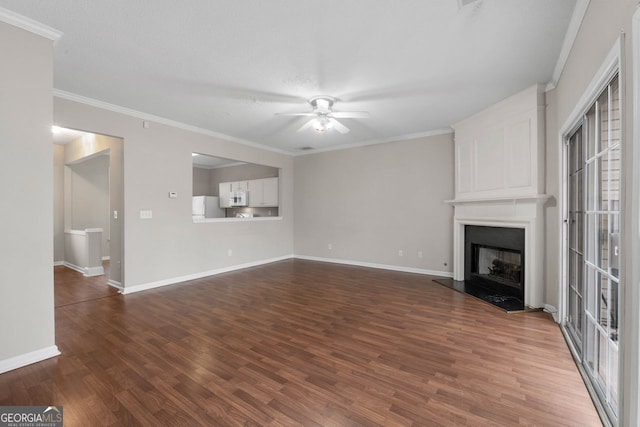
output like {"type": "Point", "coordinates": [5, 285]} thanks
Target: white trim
{"type": "Point", "coordinates": [28, 358]}
{"type": "Point", "coordinates": [150, 117]}
{"type": "Point", "coordinates": [115, 284]}
{"type": "Point", "coordinates": [30, 25]}
{"type": "Point", "coordinates": [86, 271]}
{"type": "Point", "coordinates": [94, 271]}
{"type": "Point", "coordinates": [58, 263]}
{"type": "Point", "coordinates": [175, 280]}
{"type": "Point", "coordinates": [579, 11]}
{"type": "Point", "coordinates": [106, 258]}
{"type": "Point", "coordinates": [407, 137]}
{"type": "Point", "coordinates": [165, 282]}
{"type": "Point", "coordinates": [233, 219]}
{"type": "Point", "coordinates": [378, 266]}
{"type": "Point", "coordinates": [539, 198]}
{"type": "Point", "coordinates": [548, 308]}
{"type": "Point", "coordinates": [630, 349]}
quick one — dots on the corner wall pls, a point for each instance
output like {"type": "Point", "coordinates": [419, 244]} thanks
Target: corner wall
{"type": "Point", "coordinates": [26, 165]}
{"type": "Point", "coordinates": [371, 202]}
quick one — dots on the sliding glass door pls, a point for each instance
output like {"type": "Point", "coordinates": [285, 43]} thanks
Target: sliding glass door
{"type": "Point", "coordinates": [593, 243]}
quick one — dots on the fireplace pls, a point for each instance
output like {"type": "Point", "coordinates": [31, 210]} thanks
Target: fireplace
{"type": "Point", "coordinates": [495, 259]}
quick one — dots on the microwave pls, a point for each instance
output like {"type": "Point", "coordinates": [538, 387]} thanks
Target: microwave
{"type": "Point", "coordinates": [238, 198]}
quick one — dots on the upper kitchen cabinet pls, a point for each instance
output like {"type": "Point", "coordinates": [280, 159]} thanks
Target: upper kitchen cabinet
{"type": "Point", "coordinates": [227, 189]}
{"type": "Point", "coordinates": [263, 192]}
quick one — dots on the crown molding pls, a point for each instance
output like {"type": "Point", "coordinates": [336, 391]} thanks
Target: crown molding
{"type": "Point", "coordinates": [30, 25]}
{"type": "Point", "coordinates": [69, 96]}
{"type": "Point", "coordinates": [407, 137]}
{"type": "Point", "coordinates": [579, 11]}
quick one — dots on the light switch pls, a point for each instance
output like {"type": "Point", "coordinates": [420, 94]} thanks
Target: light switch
{"type": "Point", "coordinates": [146, 214]}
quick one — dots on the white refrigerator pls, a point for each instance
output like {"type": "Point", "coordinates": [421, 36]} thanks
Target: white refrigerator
{"type": "Point", "coordinates": [207, 207]}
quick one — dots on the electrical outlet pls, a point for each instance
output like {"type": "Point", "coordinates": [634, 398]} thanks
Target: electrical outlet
{"type": "Point", "coordinates": [329, 246]}
{"type": "Point", "coordinates": [229, 252]}
{"type": "Point", "coordinates": [419, 254]}
{"type": "Point", "coordinates": [400, 252]}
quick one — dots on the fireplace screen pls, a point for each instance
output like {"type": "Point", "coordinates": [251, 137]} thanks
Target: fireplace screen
{"type": "Point", "coordinates": [498, 264]}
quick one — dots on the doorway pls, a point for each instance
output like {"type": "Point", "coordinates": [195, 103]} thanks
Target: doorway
{"type": "Point", "coordinates": [89, 192]}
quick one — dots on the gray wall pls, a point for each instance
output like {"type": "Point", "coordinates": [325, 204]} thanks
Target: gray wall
{"type": "Point", "coordinates": [370, 202]}
{"type": "Point", "coordinates": [202, 182]}
{"type": "Point", "coordinates": [90, 197]}
{"type": "Point", "coordinates": [26, 169]}
{"type": "Point", "coordinates": [600, 29]}
{"type": "Point", "coordinates": [158, 160]}
{"type": "Point", "coordinates": [58, 203]}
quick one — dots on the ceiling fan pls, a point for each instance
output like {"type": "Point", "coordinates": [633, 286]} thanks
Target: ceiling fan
{"type": "Point", "coordinates": [324, 118]}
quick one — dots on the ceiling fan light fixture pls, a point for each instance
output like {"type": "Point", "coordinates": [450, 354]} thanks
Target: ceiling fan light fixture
{"type": "Point", "coordinates": [322, 124]}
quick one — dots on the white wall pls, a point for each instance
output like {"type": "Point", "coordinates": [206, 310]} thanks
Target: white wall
{"type": "Point", "coordinates": [58, 203]}
{"type": "Point", "coordinates": [202, 182]}
{"type": "Point", "coordinates": [90, 196]}
{"type": "Point", "coordinates": [158, 160]}
{"type": "Point", "coordinates": [26, 169]}
{"type": "Point", "coordinates": [370, 202]}
{"type": "Point", "coordinates": [601, 27]}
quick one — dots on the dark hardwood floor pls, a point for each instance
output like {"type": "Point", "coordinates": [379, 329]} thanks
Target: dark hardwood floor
{"type": "Point", "coordinates": [72, 287]}
{"type": "Point", "coordinates": [303, 343]}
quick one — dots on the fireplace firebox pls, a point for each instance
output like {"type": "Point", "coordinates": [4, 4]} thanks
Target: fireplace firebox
{"type": "Point", "coordinates": [494, 259]}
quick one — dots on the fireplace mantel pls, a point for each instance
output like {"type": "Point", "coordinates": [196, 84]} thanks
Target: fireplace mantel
{"type": "Point", "coordinates": [499, 171]}
{"type": "Point", "coordinates": [538, 198]}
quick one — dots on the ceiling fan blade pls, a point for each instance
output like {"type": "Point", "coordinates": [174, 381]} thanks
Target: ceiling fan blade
{"type": "Point", "coordinates": [306, 125]}
{"type": "Point", "coordinates": [297, 114]}
{"type": "Point", "coordinates": [350, 114]}
{"type": "Point", "coordinates": [338, 126]}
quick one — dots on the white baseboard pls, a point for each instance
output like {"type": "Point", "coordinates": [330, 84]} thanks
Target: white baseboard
{"type": "Point", "coordinates": [58, 263]}
{"type": "Point", "coordinates": [73, 267]}
{"type": "Point", "coordinates": [28, 358]}
{"type": "Point", "coordinates": [172, 281]}
{"type": "Point", "coordinates": [379, 266]}
{"type": "Point", "coordinates": [553, 311]}
{"type": "Point", "coordinates": [93, 271]}
{"type": "Point", "coordinates": [87, 271]}
{"type": "Point", "coordinates": [115, 284]}
{"type": "Point", "coordinates": [106, 258]}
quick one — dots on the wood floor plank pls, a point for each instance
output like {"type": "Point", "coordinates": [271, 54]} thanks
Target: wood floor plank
{"type": "Point", "coordinates": [300, 343]}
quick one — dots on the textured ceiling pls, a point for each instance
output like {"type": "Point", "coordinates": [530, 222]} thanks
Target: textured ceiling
{"type": "Point", "coordinates": [229, 66]}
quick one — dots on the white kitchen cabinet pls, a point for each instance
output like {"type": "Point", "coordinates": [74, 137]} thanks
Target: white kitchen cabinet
{"type": "Point", "coordinates": [263, 192]}
{"type": "Point", "coordinates": [226, 188]}
{"type": "Point", "coordinates": [270, 192]}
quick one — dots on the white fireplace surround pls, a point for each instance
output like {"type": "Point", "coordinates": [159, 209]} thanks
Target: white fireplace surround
{"type": "Point", "coordinates": [499, 173]}
{"type": "Point", "coordinates": [516, 212]}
